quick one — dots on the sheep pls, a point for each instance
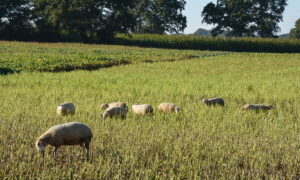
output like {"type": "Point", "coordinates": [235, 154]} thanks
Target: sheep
{"type": "Point", "coordinates": [168, 107]}
{"type": "Point", "coordinates": [115, 112]}
{"type": "Point", "coordinates": [72, 133]}
{"type": "Point", "coordinates": [66, 108]}
{"type": "Point", "coordinates": [214, 101]}
{"type": "Point", "coordinates": [114, 104]}
{"type": "Point", "coordinates": [257, 107]}
{"type": "Point", "coordinates": [142, 109]}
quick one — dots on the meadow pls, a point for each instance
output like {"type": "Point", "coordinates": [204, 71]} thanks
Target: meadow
{"type": "Point", "coordinates": [199, 143]}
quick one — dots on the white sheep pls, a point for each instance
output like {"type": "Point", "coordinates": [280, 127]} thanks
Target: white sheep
{"type": "Point", "coordinates": [114, 104]}
{"type": "Point", "coordinates": [257, 107]}
{"type": "Point", "coordinates": [66, 108]}
{"type": "Point", "coordinates": [168, 107]}
{"type": "Point", "coordinates": [73, 133]}
{"type": "Point", "coordinates": [214, 101]}
{"type": "Point", "coordinates": [142, 109]}
{"type": "Point", "coordinates": [115, 112]}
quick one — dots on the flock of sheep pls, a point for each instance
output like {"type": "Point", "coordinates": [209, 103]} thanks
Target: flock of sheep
{"type": "Point", "coordinates": [75, 133]}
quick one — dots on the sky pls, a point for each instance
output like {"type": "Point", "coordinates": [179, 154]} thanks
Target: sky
{"type": "Point", "coordinates": [194, 8]}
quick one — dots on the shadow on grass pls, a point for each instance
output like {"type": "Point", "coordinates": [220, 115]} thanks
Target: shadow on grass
{"type": "Point", "coordinates": [89, 67]}
{"type": "Point", "coordinates": [6, 71]}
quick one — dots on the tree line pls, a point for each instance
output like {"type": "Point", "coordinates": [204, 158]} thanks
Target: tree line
{"type": "Point", "coordinates": [100, 20]}
{"type": "Point", "coordinates": [88, 20]}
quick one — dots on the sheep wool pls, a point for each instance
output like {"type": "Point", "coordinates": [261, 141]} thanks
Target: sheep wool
{"type": "Point", "coordinates": [117, 112]}
{"type": "Point", "coordinates": [142, 109]}
{"type": "Point", "coordinates": [168, 107]}
{"type": "Point", "coordinates": [66, 108]}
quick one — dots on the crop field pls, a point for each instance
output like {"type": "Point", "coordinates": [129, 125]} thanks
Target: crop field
{"type": "Point", "coordinates": [271, 45]}
{"type": "Point", "coordinates": [198, 143]}
{"type": "Point", "coordinates": [16, 57]}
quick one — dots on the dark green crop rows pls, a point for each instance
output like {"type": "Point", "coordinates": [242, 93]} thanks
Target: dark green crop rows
{"type": "Point", "coordinates": [211, 43]}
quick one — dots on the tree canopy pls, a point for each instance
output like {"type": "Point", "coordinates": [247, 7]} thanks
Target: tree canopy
{"type": "Point", "coordinates": [295, 32]}
{"type": "Point", "coordinates": [88, 20]}
{"type": "Point", "coordinates": [160, 16]}
{"type": "Point", "coordinates": [245, 18]}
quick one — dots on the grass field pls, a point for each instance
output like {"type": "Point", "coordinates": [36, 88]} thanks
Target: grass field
{"type": "Point", "coordinates": [200, 142]}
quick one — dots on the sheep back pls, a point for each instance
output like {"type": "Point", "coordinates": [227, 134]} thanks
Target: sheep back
{"type": "Point", "coordinates": [114, 104]}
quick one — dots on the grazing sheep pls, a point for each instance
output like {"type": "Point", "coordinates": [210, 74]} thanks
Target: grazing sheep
{"type": "Point", "coordinates": [257, 107]}
{"type": "Point", "coordinates": [66, 108]}
{"type": "Point", "coordinates": [214, 101]}
{"type": "Point", "coordinates": [142, 109]}
{"type": "Point", "coordinates": [73, 133]}
{"type": "Point", "coordinates": [168, 107]}
{"type": "Point", "coordinates": [115, 112]}
{"type": "Point", "coordinates": [114, 104]}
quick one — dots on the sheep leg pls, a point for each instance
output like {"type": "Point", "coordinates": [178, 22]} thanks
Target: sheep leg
{"type": "Point", "coordinates": [87, 147]}
{"type": "Point", "coordinates": [55, 152]}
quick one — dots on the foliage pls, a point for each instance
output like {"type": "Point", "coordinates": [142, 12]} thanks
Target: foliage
{"type": "Point", "coordinates": [210, 43]}
{"type": "Point", "coordinates": [159, 16]}
{"type": "Point", "coordinates": [84, 21]}
{"type": "Point", "coordinates": [15, 18]}
{"type": "Point", "coordinates": [245, 18]}
{"type": "Point", "coordinates": [295, 32]}
{"type": "Point", "coordinates": [66, 57]}
{"type": "Point", "coordinates": [199, 143]}
{"type": "Point", "coordinates": [94, 21]}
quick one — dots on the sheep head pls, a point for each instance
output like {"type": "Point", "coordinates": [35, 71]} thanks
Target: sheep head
{"type": "Point", "coordinates": [104, 106]}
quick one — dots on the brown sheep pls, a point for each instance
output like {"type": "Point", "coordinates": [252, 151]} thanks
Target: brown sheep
{"type": "Point", "coordinates": [73, 133]}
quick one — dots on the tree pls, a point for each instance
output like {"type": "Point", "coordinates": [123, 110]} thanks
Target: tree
{"type": "Point", "coordinates": [245, 18]}
{"type": "Point", "coordinates": [15, 18]}
{"type": "Point", "coordinates": [159, 16]}
{"type": "Point", "coordinates": [266, 16]}
{"type": "Point", "coordinates": [82, 20]}
{"type": "Point", "coordinates": [295, 32]}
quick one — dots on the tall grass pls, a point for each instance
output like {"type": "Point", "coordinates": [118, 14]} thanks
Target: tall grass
{"type": "Point", "coordinates": [199, 143]}
{"type": "Point", "coordinates": [211, 43]}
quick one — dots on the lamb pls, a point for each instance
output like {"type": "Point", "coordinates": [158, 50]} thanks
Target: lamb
{"type": "Point", "coordinates": [66, 108]}
{"type": "Point", "coordinates": [115, 112]}
{"type": "Point", "coordinates": [114, 104]}
{"type": "Point", "coordinates": [214, 101]}
{"type": "Point", "coordinates": [142, 109]}
{"type": "Point", "coordinates": [168, 107]}
{"type": "Point", "coordinates": [73, 133]}
{"type": "Point", "coordinates": [257, 107]}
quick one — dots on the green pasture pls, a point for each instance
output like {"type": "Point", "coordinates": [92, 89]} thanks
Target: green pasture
{"type": "Point", "coordinates": [198, 143]}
